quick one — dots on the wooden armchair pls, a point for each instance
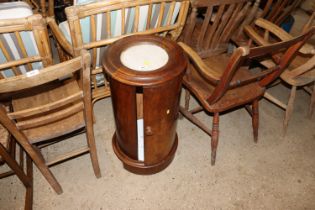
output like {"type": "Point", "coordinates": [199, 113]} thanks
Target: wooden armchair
{"type": "Point", "coordinates": [221, 83]}
{"type": "Point", "coordinates": [48, 106]}
{"type": "Point", "coordinates": [8, 156]}
{"type": "Point", "coordinates": [301, 71]}
{"type": "Point", "coordinates": [94, 26]}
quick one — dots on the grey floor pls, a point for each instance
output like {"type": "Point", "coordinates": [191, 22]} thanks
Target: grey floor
{"type": "Point", "coordinates": [276, 173]}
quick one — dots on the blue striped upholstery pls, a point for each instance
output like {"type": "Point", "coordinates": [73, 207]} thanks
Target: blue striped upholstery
{"type": "Point", "coordinates": [9, 40]}
{"type": "Point", "coordinates": [116, 30]}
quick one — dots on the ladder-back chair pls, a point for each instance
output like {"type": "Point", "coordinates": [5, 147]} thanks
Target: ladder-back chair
{"type": "Point", "coordinates": [48, 106]}
{"type": "Point", "coordinates": [221, 83]}
{"type": "Point", "coordinates": [94, 26]}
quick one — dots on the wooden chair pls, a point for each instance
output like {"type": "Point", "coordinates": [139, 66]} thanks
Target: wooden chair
{"type": "Point", "coordinates": [221, 83]}
{"type": "Point", "coordinates": [275, 11]}
{"type": "Point", "coordinates": [94, 26]}
{"type": "Point", "coordinates": [8, 156]}
{"type": "Point", "coordinates": [211, 24]}
{"type": "Point", "coordinates": [301, 71]}
{"type": "Point", "coordinates": [48, 108]}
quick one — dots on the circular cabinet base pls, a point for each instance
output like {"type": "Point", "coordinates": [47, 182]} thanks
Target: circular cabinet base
{"type": "Point", "coordinates": [139, 167]}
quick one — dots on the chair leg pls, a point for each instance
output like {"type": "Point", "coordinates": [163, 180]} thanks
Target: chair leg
{"type": "Point", "coordinates": [13, 165]}
{"type": "Point", "coordinates": [187, 99]}
{"type": "Point", "coordinates": [91, 143]}
{"type": "Point", "coordinates": [289, 109]}
{"type": "Point", "coordinates": [29, 190]}
{"type": "Point", "coordinates": [214, 137]}
{"type": "Point", "coordinates": [312, 104]}
{"type": "Point", "coordinates": [255, 119]}
{"type": "Point", "coordinates": [38, 159]}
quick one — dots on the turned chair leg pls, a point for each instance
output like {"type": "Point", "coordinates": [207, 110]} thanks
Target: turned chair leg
{"type": "Point", "coordinates": [289, 109]}
{"type": "Point", "coordinates": [312, 104]}
{"type": "Point", "coordinates": [187, 99]}
{"type": "Point", "coordinates": [214, 137]}
{"type": "Point", "coordinates": [255, 119]}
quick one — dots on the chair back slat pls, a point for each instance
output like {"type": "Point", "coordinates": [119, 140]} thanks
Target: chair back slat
{"type": "Point", "coordinates": [47, 119]}
{"type": "Point", "coordinates": [225, 19]}
{"type": "Point", "coordinates": [49, 74]}
{"type": "Point", "coordinates": [45, 108]}
{"type": "Point", "coordinates": [277, 11]}
{"type": "Point", "coordinates": [215, 29]}
{"type": "Point", "coordinates": [24, 46]}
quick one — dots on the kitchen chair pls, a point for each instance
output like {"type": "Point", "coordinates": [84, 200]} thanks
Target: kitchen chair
{"type": "Point", "coordinates": [221, 83]}
{"type": "Point", "coordinates": [96, 25]}
{"type": "Point", "coordinates": [8, 156]}
{"type": "Point", "coordinates": [48, 106]}
{"type": "Point", "coordinates": [301, 71]}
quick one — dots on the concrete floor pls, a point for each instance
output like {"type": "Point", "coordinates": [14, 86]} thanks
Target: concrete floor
{"type": "Point", "coordinates": [276, 173]}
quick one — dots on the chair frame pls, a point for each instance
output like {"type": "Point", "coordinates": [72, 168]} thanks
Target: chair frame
{"type": "Point", "coordinates": [46, 75]}
{"type": "Point", "coordinates": [290, 77]}
{"type": "Point", "coordinates": [225, 82]}
{"type": "Point", "coordinates": [17, 168]}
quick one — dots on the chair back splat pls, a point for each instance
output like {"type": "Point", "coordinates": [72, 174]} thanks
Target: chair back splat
{"type": "Point", "coordinates": [212, 23]}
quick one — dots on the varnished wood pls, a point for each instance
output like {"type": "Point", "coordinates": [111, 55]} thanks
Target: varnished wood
{"type": "Point", "coordinates": [222, 82]}
{"type": "Point", "coordinates": [152, 96]}
{"type": "Point", "coordinates": [299, 73]}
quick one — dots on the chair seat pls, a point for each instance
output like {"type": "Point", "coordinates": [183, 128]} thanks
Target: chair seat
{"type": "Point", "coordinates": [55, 129]}
{"type": "Point", "coordinates": [233, 98]}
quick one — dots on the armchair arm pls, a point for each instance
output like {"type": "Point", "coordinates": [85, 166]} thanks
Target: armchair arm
{"type": "Point", "coordinates": [308, 66]}
{"type": "Point", "coordinates": [277, 31]}
{"type": "Point", "coordinates": [202, 68]}
{"type": "Point", "coordinates": [65, 45]}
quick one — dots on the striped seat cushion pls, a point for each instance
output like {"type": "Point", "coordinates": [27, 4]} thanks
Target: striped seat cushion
{"type": "Point", "coordinates": [9, 41]}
